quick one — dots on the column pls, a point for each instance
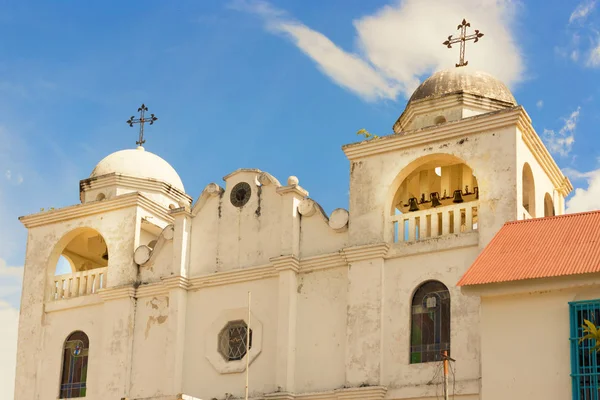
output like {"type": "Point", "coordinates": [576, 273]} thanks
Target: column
{"type": "Point", "coordinates": [365, 313]}
{"type": "Point", "coordinates": [287, 266]}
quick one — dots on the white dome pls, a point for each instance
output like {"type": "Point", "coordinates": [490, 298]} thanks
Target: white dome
{"type": "Point", "coordinates": [140, 164]}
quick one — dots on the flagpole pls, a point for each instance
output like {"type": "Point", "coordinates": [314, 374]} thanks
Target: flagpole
{"type": "Point", "coordinates": [248, 346]}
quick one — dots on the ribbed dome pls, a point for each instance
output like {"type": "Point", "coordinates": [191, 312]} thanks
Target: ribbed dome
{"type": "Point", "coordinates": [463, 80]}
{"type": "Point", "coordinates": [140, 164]}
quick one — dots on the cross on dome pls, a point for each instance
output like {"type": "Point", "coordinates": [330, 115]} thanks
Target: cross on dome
{"type": "Point", "coordinates": [141, 120]}
{"type": "Point", "coordinates": [462, 39]}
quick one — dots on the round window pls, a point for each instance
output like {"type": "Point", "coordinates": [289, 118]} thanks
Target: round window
{"type": "Point", "coordinates": [240, 194]}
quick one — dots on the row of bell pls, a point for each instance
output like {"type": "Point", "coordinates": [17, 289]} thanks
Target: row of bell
{"type": "Point", "coordinates": [434, 198]}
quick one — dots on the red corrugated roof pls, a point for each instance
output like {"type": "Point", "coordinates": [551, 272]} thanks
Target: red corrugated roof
{"type": "Point", "coordinates": [539, 248]}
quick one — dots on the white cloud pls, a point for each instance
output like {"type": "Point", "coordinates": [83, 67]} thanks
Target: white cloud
{"type": "Point", "coordinates": [594, 56]}
{"type": "Point", "coordinates": [9, 322]}
{"type": "Point", "coordinates": [585, 199]}
{"type": "Point", "coordinates": [540, 104]}
{"type": "Point", "coordinates": [399, 43]}
{"type": "Point", "coordinates": [582, 11]}
{"type": "Point", "coordinates": [561, 143]}
{"type": "Point", "coordinates": [8, 174]}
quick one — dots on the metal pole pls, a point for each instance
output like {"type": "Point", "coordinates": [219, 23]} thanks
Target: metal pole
{"type": "Point", "coordinates": [248, 346]}
{"type": "Point", "coordinates": [445, 355]}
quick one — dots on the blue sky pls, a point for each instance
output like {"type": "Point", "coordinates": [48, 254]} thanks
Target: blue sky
{"type": "Point", "coordinates": [279, 86]}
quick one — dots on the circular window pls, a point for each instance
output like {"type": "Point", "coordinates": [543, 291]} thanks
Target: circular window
{"type": "Point", "coordinates": [240, 194]}
{"type": "Point", "coordinates": [232, 340]}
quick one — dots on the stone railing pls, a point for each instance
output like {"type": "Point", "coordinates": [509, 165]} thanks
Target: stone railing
{"type": "Point", "coordinates": [434, 222]}
{"type": "Point", "coordinates": [78, 283]}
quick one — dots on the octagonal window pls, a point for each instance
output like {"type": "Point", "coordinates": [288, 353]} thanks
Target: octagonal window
{"type": "Point", "coordinates": [232, 340]}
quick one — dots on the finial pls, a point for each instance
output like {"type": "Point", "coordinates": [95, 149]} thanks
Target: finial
{"type": "Point", "coordinates": [462, 40]}
{"type": "Point", "coordinates": [141, 120]}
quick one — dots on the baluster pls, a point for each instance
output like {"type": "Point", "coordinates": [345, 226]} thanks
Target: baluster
{"type": "Point", "coordinates": [96, 282]}
{"type": "Point", "coordinates": [61, 292]}
{"type": "Point", "coordinates": [434, 225]}
{"type": "Point", "coordinates": [469, 219]}
{"type": "Point", "coordinates": [89, 284]}
{"type": "Point", "coordinates": [411, 229]}
{"type": "Point", "coordinates": [457, 220]}
{"type": "Point", "coordinates": [82, 283]}
{"type": "Point", "coordinates": [55, 290]}
{"type": "Point", "coordinates": [102, 282]}
{"type": "Point", "coordinates": [445, 222]}
{"type": "Point", "coordinates": [423, 234]}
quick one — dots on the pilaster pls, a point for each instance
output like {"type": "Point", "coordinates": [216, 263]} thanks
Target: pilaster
{"type": "Point", "coordinates": [287, 267]}
{"type": "Point", "coordinates": [365, 313]}
{"type": "Point", "coordinates": [182, 223]}
{"type": "Point", "coordinates": [291, 196]}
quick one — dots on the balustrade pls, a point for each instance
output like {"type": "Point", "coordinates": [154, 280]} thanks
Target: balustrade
{"type": "Point", "coordinates": [78, 283]}
{"type": "Point", "coordinates": [434, 222]}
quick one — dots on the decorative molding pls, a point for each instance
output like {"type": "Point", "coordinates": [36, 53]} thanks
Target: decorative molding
{"type": "Point", "coordinates": [359, 393]}
{"type": "Point", "coordinates": [72, 302]}
{"type": "Point", "coordinates": [115, 179]}
{"type": "Point", "coordinates": [95, 207]}
{"type": "Point", "coordinates": [295, 189]}
{"type": "Point", "coordinates": [117, 293]}
{"type": "Point", "coordinates": [151, 289]}
{"type": "Point", "coordinates": [365, 252]}
{"type": "Point", "coordinates": [322, 262]}
{"type": "Point", "coordinates": [428, 135]}
{"type": "Point", "coordinates": [240, 171]}
{"type": "Point", "coordinates": [233, 276]}
{"type": "Point", "coordinates": [284, 263]}
{"type": "Point", "coordinates": [449, 100]}
{"type": "Point", "coordinates": [210, 190]}
{"type": "Point", "coordinates": [176, 282]}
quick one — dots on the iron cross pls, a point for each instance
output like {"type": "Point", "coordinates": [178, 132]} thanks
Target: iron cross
{"type": "Point", "coordinates": [462, 39]}
{"type": "Point", "coordinates": [141, 120]}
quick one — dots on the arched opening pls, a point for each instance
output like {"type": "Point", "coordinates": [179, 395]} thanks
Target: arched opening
{"type": "Point", "coordinates": [430, 323]}
{"type": "Point", "coordinates": [437, 195]}
{"type": "Point", "coordinates": [81, 264]}
{"type": "Point", "coordinates": [439, 120]}
{"type": "Point", "coordinates": [73, 382]}
{"type": "Point", "coordinates": [528, 192]}
{"type": "Point", "coordinates": [548, 206]}
{"type": "Point", "coordinates": [101, 196]}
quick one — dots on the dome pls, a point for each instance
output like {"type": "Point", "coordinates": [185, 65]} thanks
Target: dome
{"type": "Point", "coordinates": [463, 80]}
{"type": "Point", "coordinates": [138, 163]}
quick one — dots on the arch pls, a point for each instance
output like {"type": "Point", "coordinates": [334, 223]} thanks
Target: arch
{"type": "Point", "coordinates": [548, 205]}
{"type": "Point", "coordinates": [83, 248]}
{"type": "Point", "coordinates": [435, 165]}
{"type": "Point", "coordinates": [430, 322]}
{"type": "Point", "coordinates": [440, 119]}
{"type": "Point", "coordinates": [528, 190]}
{"type": "Point", "coordinates": [73, 377]}
{"type": "Point", "coordinates": [101, 196]}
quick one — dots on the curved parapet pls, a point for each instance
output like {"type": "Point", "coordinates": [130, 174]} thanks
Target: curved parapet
{"type": "Point", "coordinates": [211, 190]}
{"type": "Point", "coordinates": [146, 255]}
{"type": "Point", "coordinates": [338, 220]}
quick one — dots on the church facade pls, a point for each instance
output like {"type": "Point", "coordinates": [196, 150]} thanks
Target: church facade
{"type": "Point", "coordinates": [359, 304]}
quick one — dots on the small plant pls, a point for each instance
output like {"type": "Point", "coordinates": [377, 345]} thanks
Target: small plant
{"type": "Point", "coordinates": [591, 332]}
{"type": "Point", "coordinates": [367, 134]}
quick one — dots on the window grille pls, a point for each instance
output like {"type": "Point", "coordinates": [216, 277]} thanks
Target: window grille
{"type": "Point", "coordinates": [585, 362]}
{"type": "Point", "coordinates": [75, 364]}
{"type": "Point", "coordinates": [430, 323]}
{"type": "Point", "coordinates": [232, 340]}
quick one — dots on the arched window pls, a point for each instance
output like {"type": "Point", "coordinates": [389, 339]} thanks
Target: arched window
{"type": "Point", "coordinates": [73, 381]}
{"type": "Point", "coordinates": [430, 323]}
{"type": "Point", "coordinates": [528, 191]}
{"type": "Point", "coordinates": [548, 206]}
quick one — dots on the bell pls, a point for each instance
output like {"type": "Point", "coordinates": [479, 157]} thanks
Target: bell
{"type": "Point", "coordinates": [423, 199]}
{"type": "Point", "coordinates": [458, 196]}
{"type": "Point", "coordinates": [435, 199]}
{"type": "Point", "coordinates": [445, 196]}
{"type": "Point", "coordinates": [476, 189]}
{"type": "Point", "coordinates": [105, 255]}
{"type": "Point", "coordinates": [467, 190]}
{"type": "Point", "coordinates": [413, 204]}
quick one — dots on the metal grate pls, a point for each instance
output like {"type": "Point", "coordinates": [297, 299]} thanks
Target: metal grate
{"type": "Point", "coordinates": [232, 340]}
{"type": "Point", "coordinates": [585, 362]}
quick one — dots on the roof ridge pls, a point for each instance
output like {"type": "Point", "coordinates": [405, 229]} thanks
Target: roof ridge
{"type": "Point", "coordinates": [520, 221]}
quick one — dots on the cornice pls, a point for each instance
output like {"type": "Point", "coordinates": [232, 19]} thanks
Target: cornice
{"type": "Point", "coordinates": [365, 252]}
{"type": "Point", "coordinates": [233, 276]}
{"type": "Point", "coordinates": [285, 263]}
{"type": "Point", "coordinates": [116, 293]}
{"type": "Point", "coordinates": [449, 100]}
{"type": "Point", "coordinates": [295, 189]}
{"type": "Point", "coordinates": [95, 207]}
{"type": "Point", "coordinates": [322, 262]}
{"type": "Point", "coordinates": [542, 155]}
{"type": "Point", "coordinates": [360, 393]}
{"type": "Point", "coordinates": [151, 290]}
{"type": "Point", "coordinates": [428, 135]}
{"type": "Point", "coordinates": [115, 179]}
{"type": "Point", "coordinates": [176, 282]}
